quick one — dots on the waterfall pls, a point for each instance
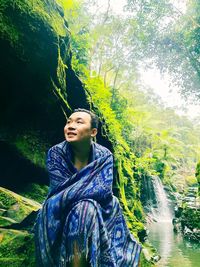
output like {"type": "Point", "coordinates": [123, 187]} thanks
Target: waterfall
{"type": "Point", "coordinates": [173, 250]}
{"type": "Point", "coordinates": [159, 208]}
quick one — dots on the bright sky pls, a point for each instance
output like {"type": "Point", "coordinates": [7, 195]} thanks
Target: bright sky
{"type": "Point", "coordinates": [169, 95]}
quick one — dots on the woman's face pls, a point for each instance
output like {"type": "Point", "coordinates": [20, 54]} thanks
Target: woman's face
{"type": "Point", "coordinates": [78, 128]}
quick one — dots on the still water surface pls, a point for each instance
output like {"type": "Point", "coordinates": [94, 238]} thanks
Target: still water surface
{"type": "Point", "coordinates": [174, 250]}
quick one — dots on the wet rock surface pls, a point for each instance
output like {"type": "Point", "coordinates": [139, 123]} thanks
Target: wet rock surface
{"type": "Point", "coordinates": [187, 215]}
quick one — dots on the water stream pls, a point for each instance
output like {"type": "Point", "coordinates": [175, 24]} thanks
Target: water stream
{"type": "Point", "coordinates": [173, 249]}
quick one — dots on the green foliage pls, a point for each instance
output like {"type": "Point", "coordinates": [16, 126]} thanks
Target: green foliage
{"type": "Point", "coordinates": [190, 217]}
{"type": "Point", "coordinates": [100, 97]}
{"type": "Point", "coordinates": [77, 18]}
{"type": "Point", "coordinates": [197, 174]}
{"type": "Point", "coordinates": [32, 147]}
{"type": "Point", "coordinates": [191, 180]}
{"type": "Point", "coordinates": [150, 139]}
{"type": "Point", "coordinates": [170, 37]}
{"type": "Point", "coordinates": [160, 168]}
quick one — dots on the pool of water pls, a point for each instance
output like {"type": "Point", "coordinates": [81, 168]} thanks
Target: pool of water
{"type": "Point", "coordinates": [173, 249]}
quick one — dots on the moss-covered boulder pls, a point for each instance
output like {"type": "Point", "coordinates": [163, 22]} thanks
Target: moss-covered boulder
{"type": "Point", "coordinates": [16, 248]}
{"type": "Point", "coordinates": [14, 208]}
{"type": "Point", "coordinates": [187, 221]}
{"type": "Point", "coordinates": [38, 86]}
{"type": "Point", "coordinates": [34, 191]}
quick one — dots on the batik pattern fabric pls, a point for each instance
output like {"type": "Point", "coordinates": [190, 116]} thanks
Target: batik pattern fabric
{"type": "Point", "coordinates": [81, 211]}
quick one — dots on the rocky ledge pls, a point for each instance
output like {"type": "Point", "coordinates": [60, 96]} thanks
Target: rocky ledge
{"type": "Point", "coordinates": [17, 216]}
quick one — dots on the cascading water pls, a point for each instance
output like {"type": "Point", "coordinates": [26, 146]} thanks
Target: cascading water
{"type": "Point", "coordinates": [155, 200]}
{"type": "Point", "coordinates": [162, 212]}
{"type": "Point", "coordinates": [173, 249]}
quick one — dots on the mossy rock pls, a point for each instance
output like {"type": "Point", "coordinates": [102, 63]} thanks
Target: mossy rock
{"type": "Point", "coordinates": [35, 192]}
{"type": "Point", "coordinates": [16, 248]}
{"type": "Point", "coordinates": [191, 218]}
{"type": "Point", "coordinates": [5, 221]}
{"type": "Point", "coordinates": [6, 199]}
{"type": "Point", "coordinates": [15, 208]}
{"type": "Point", "coordinates": [35, 52]}
{"type": "Point", "coordinates": [144, 262]}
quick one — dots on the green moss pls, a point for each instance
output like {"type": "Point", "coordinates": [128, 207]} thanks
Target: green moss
{"type": "Point", "coordinates": [16, 207]}
{"type": "Point", "coordinates": [9, 31]}
{"type": "Point", "coordinates": [23, 22]}
{"type": "Point", "coordinates": [35, 192]}
{"type": "Point", "coordinates": [144, 262]}
{"type": "Point", "coordinates": [16, 248]}
{"type": "Point", "coordinates": [59, 94]}
{"type": "Point", "coordinates": [61, 74]}
{"type": "Point", "coordinates": [6, 200]}
{"type": "Point", "coordinates": [4, 221]}
{"type": "Point", "coordinates": [47, 11]}
{"type": "Point", "coordinates": [32, 147]}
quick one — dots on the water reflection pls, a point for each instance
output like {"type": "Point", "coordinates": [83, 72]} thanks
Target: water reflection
{"type": "Point", "coordinates": [174, 251]}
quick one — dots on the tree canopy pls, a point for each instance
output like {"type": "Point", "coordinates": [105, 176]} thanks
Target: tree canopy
{"type": "Point", "coordinates": [112, 48]}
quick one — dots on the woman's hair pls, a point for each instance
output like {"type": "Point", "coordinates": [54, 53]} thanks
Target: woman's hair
{"type": "Point", "coordinates": [94, 118]}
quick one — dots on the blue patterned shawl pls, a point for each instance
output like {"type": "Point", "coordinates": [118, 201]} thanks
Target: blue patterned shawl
{"type": "Point", "coordinates": [81, 209]}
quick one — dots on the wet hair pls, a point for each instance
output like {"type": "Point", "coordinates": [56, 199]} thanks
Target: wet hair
{"type": "Point", "coordinates": [94, 118]}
